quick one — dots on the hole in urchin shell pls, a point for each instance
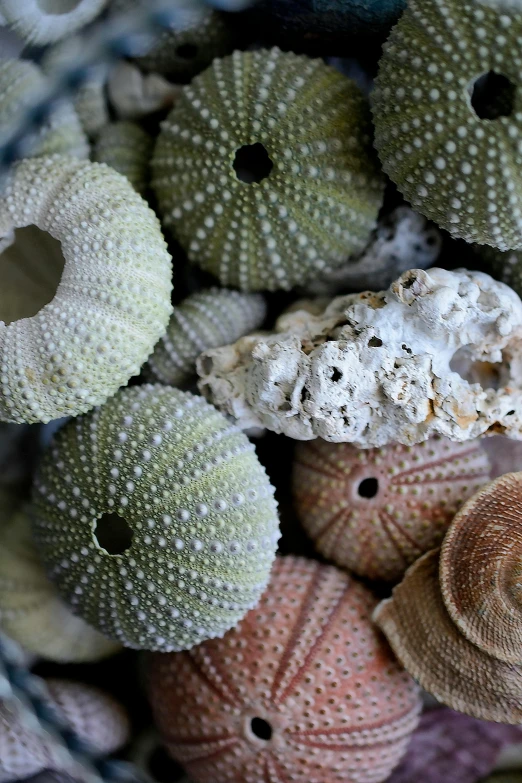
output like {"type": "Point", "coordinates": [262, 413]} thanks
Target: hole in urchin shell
{"type": "Point", "coordinates": [493, 96]}
{"type": "Point", "coordinates": [261, 729]}
{"type": "Point", "coordinates": [162, 768]}
{"type": "Point", "coordinates": [113, 534]}
{"type": "Point", "coordinates": [58, 7]}
{"type": "Point", "coordinates": [187, 51]}
{"type": "Point", "coordinates": [368, 488]}
{"type": "Point", "coordinates": [28, 279]}
{"type": "Point", "coordinates": [252, 163]}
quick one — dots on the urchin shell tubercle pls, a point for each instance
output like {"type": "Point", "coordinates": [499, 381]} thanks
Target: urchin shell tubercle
{"type": "Point", "coordinates": [312, 693]}
{"type": "Point", "coordinates": [377, 368]}
{"type": "Point", "coordinates": [260, 192]}
{"type": "Point", "coordinates": [69, 338]}
{"type": "Point", "coordinates": [206, 319]}
{"type": "Point", "coordinates": [38, 22]}
{"type": "Point", "coordinates": [448, 116]}
{"type": "Point", "coordinates": [155, 519]}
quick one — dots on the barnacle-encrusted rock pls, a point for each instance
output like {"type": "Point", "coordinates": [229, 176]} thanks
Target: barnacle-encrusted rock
{"type": "Point", "coordinates": [73, 330]}
{"type": "Point", "coordinates": [20, 82]}
{"type": "Point", "coordinates": [375, 368]}
{"type": "Point", "coordinates": [203, 320]}
{"type": "Point", "coordinates": [134, 94]}
{"type": "Point", "coordinates": [265, 171]}
{"type": "Point", "coordinates": [402, 240]}
{"type": "Point", "coordinates": [448, 116]}
{"type": "Point", "coordinates": [303, 689]}
{"type": "Point", "coordinates": [31, 610]}
{"type": "Point", "coordinates": [155, 519]}
{"type": "Point", "coordinates": [46, 21]}
{"type": "Point", "coordinates": [375, 511]}
{"type": "Point", "coordinates": [187, 48]}
{"type": "Point", "coordinates": [127, 148]}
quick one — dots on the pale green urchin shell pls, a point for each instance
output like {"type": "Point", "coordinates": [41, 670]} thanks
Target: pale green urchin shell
{"type": "Point", "coordinates": [46, 21]}
{"type": "Point", "coordinates": [200, 522]}
{"type": "Point", "coordinates": [31, 610]}
{"type": "Point", "coordinates": [207, 319]}
{"type": "Point", "coordinates": [127, 148]}
{"type": "Point", "coordinates": [297, 133]}
{"type": "Point", "coordinates": [447, 108]}
{"type": "Point", "coordinates": [70, 345]}
{"type": "Point", "coordinates": [20, 82]}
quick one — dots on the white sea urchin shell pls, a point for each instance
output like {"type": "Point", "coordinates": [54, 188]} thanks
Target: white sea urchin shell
{"type": "Point", "coordinates": [45, 21]}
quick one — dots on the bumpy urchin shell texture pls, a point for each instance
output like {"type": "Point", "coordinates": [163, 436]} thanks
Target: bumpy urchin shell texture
{"type": "Point", "coordinates": [207, 319]}
{"type": "Point", "coordinates": [21, 81]}
{"type": "Point", "coordinates": [375, 511]}
{"type": "Point", "coordinates": [112, 303]}
{"type": "Point", "coordinates": [42, 23]}
{"type": "Point", "coordinates": [31, 609]}
{"type": "Point", "coordinates": [303, 689]}
{"type": "Point", "coordinates": [127, 148]}
{"type": "Point", "coordinates": [448, 116]}
{"type": "Point", "coordinates": [195, 499]}
{"type": "Point", "coordinates": [183, 52]}
{"type": "Point", "coordinates": [297, 133]}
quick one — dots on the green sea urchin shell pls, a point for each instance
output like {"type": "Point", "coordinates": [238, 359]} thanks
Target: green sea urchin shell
{"type": "Point", "coordinates": [127, 148]}
{"type": "Point", "coordinates": [207, 319]}
{"type": "Point", "coordinates": [297, 133]}
{"type": "Point", "coordinates": [447, 107]}
{"type": "Point", "coordinates": [506, 267]}
{"type": "Point", "coordinates": [110, 306]}
{"type": "Point", "coordinates": [195, 499]}
{"type": "Point", "coordinates": [20, 81]}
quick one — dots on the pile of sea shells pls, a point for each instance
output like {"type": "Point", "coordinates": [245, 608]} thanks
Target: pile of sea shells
{"type": "Point", "coordinates": [261, 392]}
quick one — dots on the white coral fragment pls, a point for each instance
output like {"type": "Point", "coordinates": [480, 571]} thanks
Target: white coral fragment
{"type": "Point", "coordinates": [375, 368]}
{"type": "Point", "coordinates": [134, 94]}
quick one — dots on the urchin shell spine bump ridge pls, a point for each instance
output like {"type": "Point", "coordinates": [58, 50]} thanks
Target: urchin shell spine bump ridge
{"type": "Point", "coordinates": [20, 81]}
{"type": "Point", "coordinates": [112, 303]}
{"type": "Point", "coordinates": [36, 25]}
{"type": "Point", "coordinates": [199, 516]}
{"type": "Point", "coordinates": [297, 133]}
{"type": "Point", "coordinates": [127, 148]}
{"type": "Point", "coordinates": [203, 320]}
{"type": "Point", "coordinates": [307, 664]}
{"type": "Point", "coordinates": [448, 116]}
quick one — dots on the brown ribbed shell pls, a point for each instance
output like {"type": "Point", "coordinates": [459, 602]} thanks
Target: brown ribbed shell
{"type": "Point", "coordinates": [375, 511]}
{"type": "Point", "coordinates": [481, 569]}
{"type": "Point", "coordinates": [430, 646]}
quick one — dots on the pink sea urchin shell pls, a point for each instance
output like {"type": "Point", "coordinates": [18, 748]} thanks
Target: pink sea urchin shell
{"type": "Point", "coordinates": [375, 511]}
{"type": "Point", "coordinates": [303, 689]}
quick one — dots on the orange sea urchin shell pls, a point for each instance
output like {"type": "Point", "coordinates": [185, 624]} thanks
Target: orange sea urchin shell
{"type": "Point", "coordinates": [303, 689]}
{"type": "Point", "coordinates": [374, 511]}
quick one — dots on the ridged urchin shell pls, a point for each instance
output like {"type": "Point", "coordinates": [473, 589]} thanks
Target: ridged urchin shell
{"type": "Point", "coordinates": [21, 81]}
{"type": "Point", "coordinates": [38, 22]}
{"type": "Point", "coordinates": [303, 689]}
{"type": "Point", "coordinates": [448, 116]}
{"type": "Point", "coordinates": [31, 609]}
{"type": "Point", "coordinates": [127, 148]}
{"type": "Point", "coordinates": [207, 319]}
{"type": "Point", "coordinates": [111, 305]}
{"type": "Point", "coordinates": [201, 523]}
{"type": "Point", "coordinates": [375, 511]}
{"type": "Point", "coordinates": [297, 132]}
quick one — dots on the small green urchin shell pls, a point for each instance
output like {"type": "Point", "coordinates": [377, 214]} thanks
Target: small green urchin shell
{"type": "Point", "coordinates": [207, 319]}
{"type": "Point", "coordinates": [316, 205]}
{"type": "Point", "coordinates": [506, 267]}
{"type": "Point", "coordinates": [199, 505]}
{"type": "Point", "coordinates": [127, 148]}
{"type": "Point", "coordinates": [20, 82]}
{"type": "Point", "coordinates": [447, 107]}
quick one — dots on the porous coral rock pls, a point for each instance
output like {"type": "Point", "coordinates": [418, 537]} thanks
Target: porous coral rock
{"type": "Point", "coordinates": [375, 367]}
{"type": "Point", "coordinates": [447, 114]}
{"type": "Point", "coordinates": [127, 148]}
{"type": "Point", "coordinates": [155, 519]}
{"type": "Point", "coordinates": [46, 21]}
{"type": "Point", "coordinates": [206, 319]}
{"type": "Point", "coordinates": [20, 82]}
{"type": "Point", "coordinates": [81, 325]}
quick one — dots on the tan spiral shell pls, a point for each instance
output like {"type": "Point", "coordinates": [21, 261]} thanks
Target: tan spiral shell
{"type": "Point", "coordinates": [481, 569]}
{"type": "Point", "coordinates": [431, 648]}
